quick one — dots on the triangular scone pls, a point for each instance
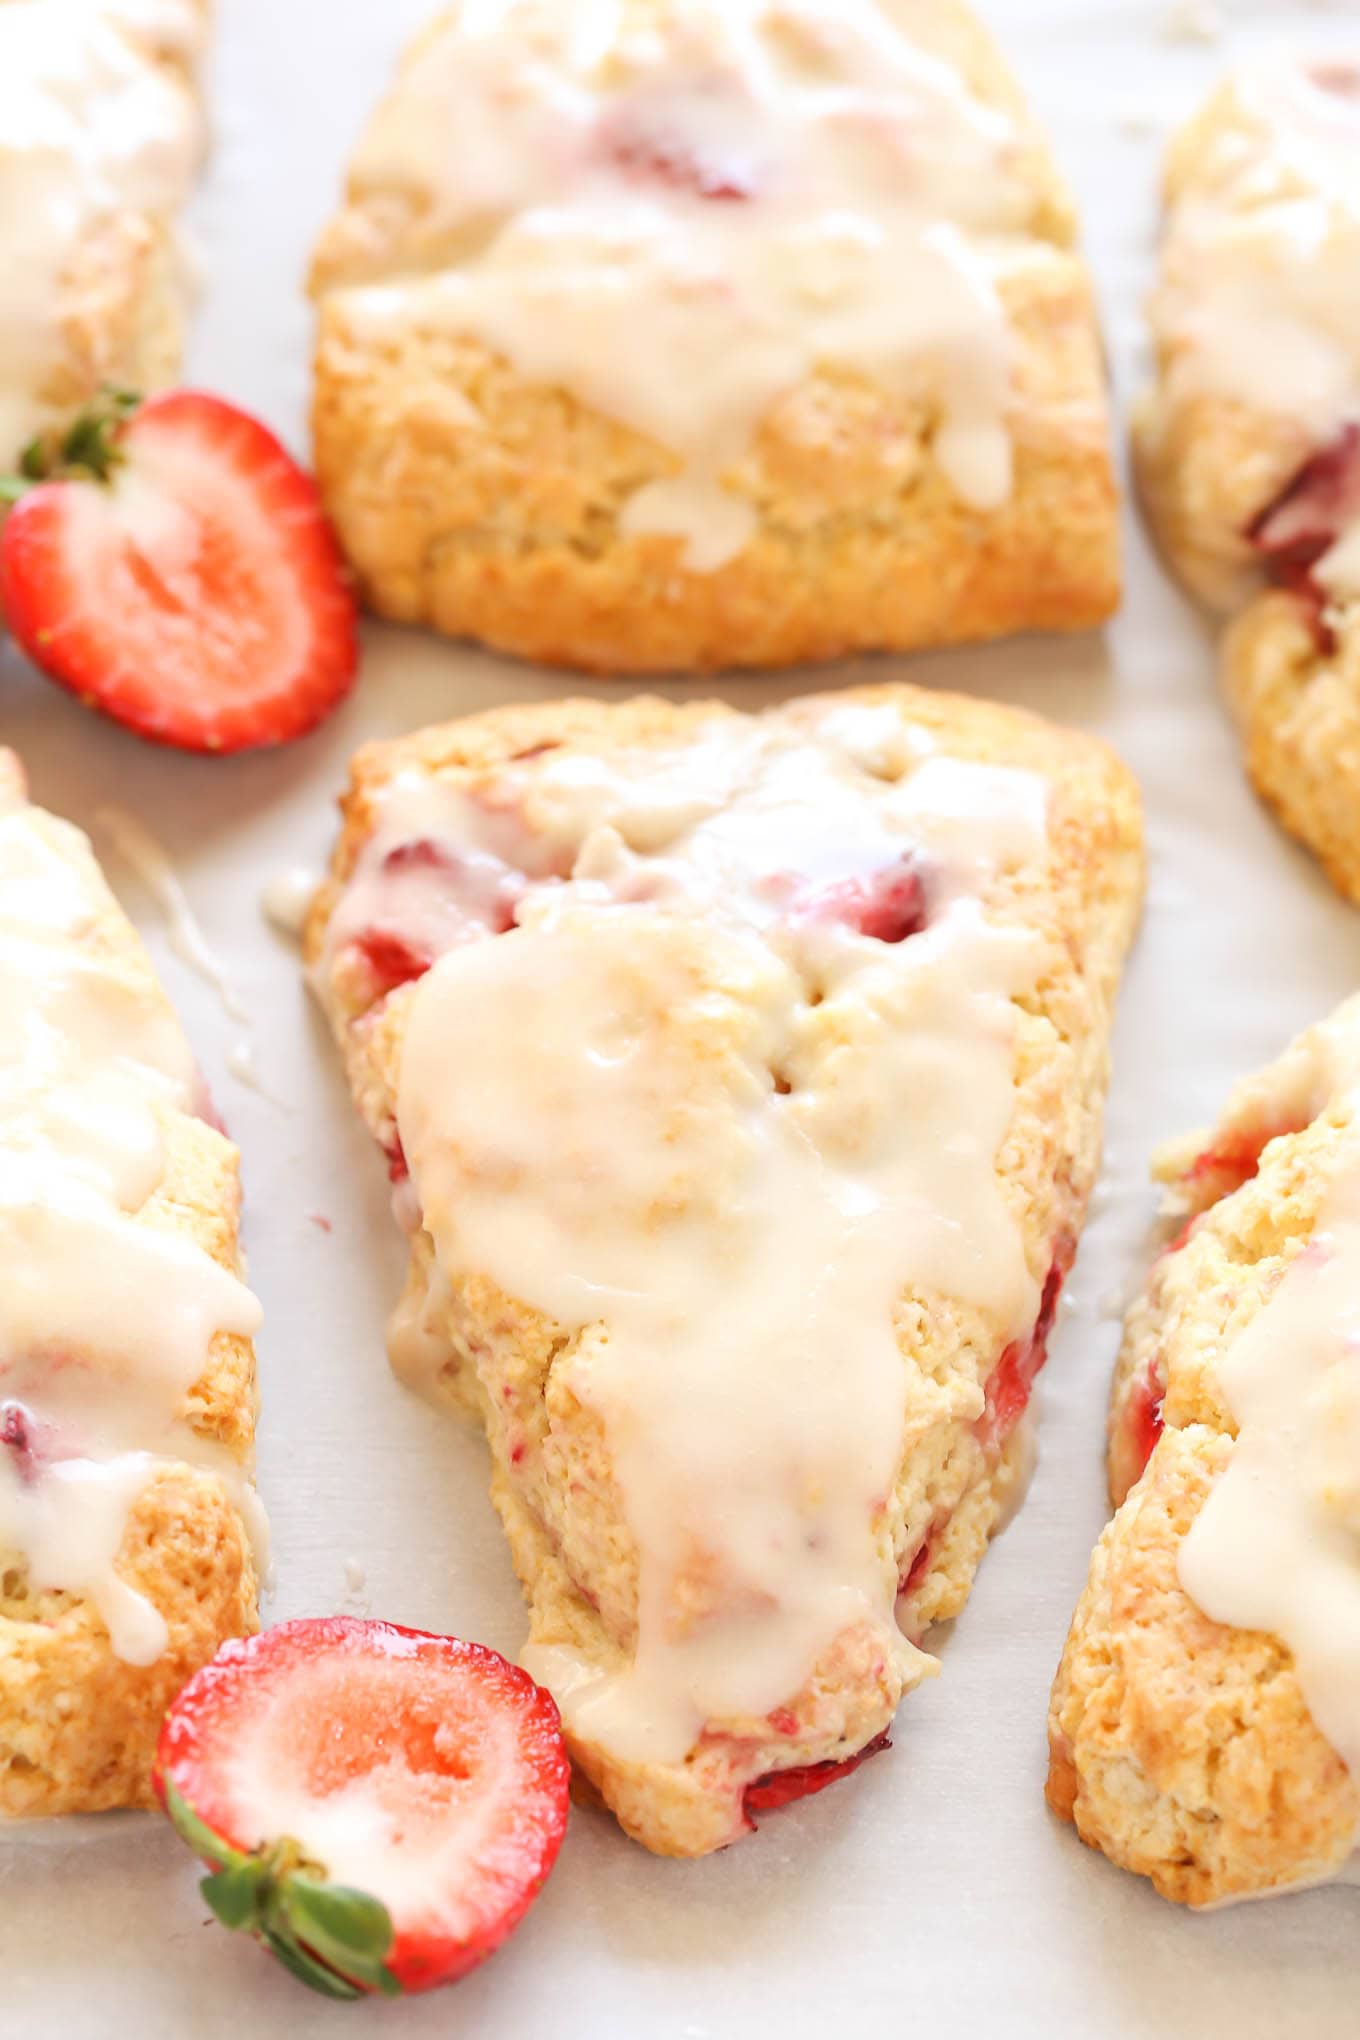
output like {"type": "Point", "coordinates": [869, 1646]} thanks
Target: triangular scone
{"type": "Point", "coordinates": [1249, 445]}
{"type": "Point", "coordinates": [100, 135]}
{"type": "Point", "coordinates": [741, 1170]}
{"type": "Point", "coordinates": [665, 335]}
{"type": "Point", "coordinates": [1208, 1700]}
{"type": "Point", "coordinates": [127, 1376]}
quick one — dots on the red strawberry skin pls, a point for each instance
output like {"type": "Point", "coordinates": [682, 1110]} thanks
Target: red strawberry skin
{"type": "Point", "coordinates": [197, 596]}
{"type": "Point", "coordinates": [468, 1747]}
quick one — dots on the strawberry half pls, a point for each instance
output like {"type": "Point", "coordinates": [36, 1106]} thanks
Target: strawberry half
{"type": "Point", "coordinates": [171, 564]}
{"type": "Point", "coordinates": [378, 1806]}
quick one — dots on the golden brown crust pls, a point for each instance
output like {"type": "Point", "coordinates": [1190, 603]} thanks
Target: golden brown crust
{"type": "Point", "coordinates": [552, 1480]}
{"type": "Point", "coordinates": [1297, 704]}
{"type": "Point", "coordinates": [1182, 1748]}
{"type": "Point", "coordinates": [123, 289]}
{"type": "Point", "coordinates": [1209, 467]}
{"type": "Point", "coordinates": [78, 1726]}
{"type": "Point", "coordinates": [473, 500]}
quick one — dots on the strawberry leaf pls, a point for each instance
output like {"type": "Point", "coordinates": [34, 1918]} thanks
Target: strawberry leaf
{"type": "Point", "coordinates": [314, 1974]}
{"type": "Point", "coordinates": [234, 1895]}
{"type": "Point", "coordinates": [345, 1926]}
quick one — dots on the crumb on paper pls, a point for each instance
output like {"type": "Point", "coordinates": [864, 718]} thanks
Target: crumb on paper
{"type": "Point", "coordinates": [1138, 119]}
{"type": "Point", "coordinates": [356, 1579]}
{"type": "Point", "coordinates": [1194, 21]}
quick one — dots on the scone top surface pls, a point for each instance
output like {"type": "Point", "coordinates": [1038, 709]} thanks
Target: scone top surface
{"type": "Point", "coordinates": [1256, 318]}
{"type": "Point", "coordinates": [680, 229]}
{"type": "Point", "coordinates": [99, 137]}
{"type": "Point", "coordinates": [1205, 1725]}
{"type": "Point", "coordinates": [718, 1158]}
{"type": "Point", "coordinates": [122, 1320]}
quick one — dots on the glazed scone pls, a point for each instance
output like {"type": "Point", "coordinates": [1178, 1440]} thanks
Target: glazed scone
{"type": "Point", "coordinates": [741, 1174]}
{"type": "Point", "coordinates": [1248, 448]}
{"type": "Point", "coordinates": [100, 135]}
{"type": "Point", "coordinates": [665, 335]}
{"type": "Point", "coordinates": [1205, 1721]}
{"type": "Point", "coordinates": [127, 1375]}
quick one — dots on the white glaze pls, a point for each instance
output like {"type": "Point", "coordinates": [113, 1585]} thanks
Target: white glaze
{"type": "Point", "coordinates": [633, 1165]}
{"type": "Point", "coordinates": [92, 132]}
{"type": "Point", "coordinates": [1259, 297]}
{"type": "Point", "coordinates": [286, 898]}
{"type": "Point", "coordinates": [1275, 1546]}
{"type": "Point", "coordinates": [868, 205]}
{"type": "Point", "coordinates": [105, 1323]}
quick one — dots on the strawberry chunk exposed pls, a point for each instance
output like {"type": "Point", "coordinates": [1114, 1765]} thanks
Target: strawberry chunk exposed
{"type": "Point", "coordinates": [178, 574]}
{"type": "Point", "coordinates": [392, 960]}
{"type": "Point", "coordinates": [1011, 1381]}
{"type": "Point", "coordinates": [781, 1788]}
{"type": "Point", "coordinates": [16, 1435]}
{"type": "Point", "coordinates": [379, 1807]}
{"type": "Point", "coordinates": [673, 140]}
{"type": "Point", "coordinates": [890, 906]}
{"type": "Point", "coordinates": [1143, 1416]}
{"type": "Point", "coordinates": [1305, 521]}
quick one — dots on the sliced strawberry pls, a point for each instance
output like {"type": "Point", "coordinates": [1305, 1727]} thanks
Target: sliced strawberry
{"type": "Point", "coordinates": [782, 1788]}
{"type": "Point", "coordinates": [378, 1806]}
{"type": "Point", "coordinates": [175, 570]}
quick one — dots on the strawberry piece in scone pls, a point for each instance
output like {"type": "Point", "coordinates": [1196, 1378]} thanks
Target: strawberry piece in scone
{"type": "Point", "coordinates": [1205, 1721]}
{"type": "Point", "coordinates": [1248, 445]}
{"type": "Point", "coordinates": [742, 1126]}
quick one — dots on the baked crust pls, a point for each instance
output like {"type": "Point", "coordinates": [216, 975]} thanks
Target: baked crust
{"type": "Point", "coordinates": [558, 1500]}
{"type": "Point", "coordinates": [1182, 1748]}
{"type": "Point", "coordinates": [488, 506]}
{"type": "Point", "coordinates": [1211, 469]}
{"type": "Point", "coordinates": [78, 1725]}
{"type": "Point", "coordinates": [123, 289]}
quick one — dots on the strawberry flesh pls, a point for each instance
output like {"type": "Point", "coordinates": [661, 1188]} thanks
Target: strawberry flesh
{"type": "Point", "coordinates": [1143, 1420]}
{"type": "Point", "coordinates": [197, 595]}
{"type": "Point", "coordinates": [650, 143]}
{"type": "Point", "coordinates": [1011, 1381]}
{"type": "Point", "coordinates": [782, 1788]}
{"type": "Point", "coordinates": [16, 1435]}
{"type": "Point", "coordinates": [427, 1773]}
{"type": "Point", "coordinates": [890, 906]}
{"type": "Point", "coordinates": [1305, 521]}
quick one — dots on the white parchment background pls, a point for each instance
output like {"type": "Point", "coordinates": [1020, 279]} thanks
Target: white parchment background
{"type": "Point", "coordinates": [933, 1892]}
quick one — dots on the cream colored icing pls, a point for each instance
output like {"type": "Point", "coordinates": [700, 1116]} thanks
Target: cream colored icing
{"type": "Point", "coordinates": [690, 1111]}
{"type": "Point", "coordinates": [681, 214]}
{"type": "Point", "coordinates": [91, 129]}
{"type": "Point", "coordinates": [1276, 1546]}
{"type": "Point", "coordinates": [1259, 297]}
{"type": "Point", "coordinates": [105, 1323]}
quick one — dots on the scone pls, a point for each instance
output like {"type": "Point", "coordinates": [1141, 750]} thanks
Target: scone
{"type": "Point", "coordinates": [1205, 1721]}
{"type": "Point", "coordinates": [741, 1175]}
{"type": "Point", "coordinates": [1248, 449]}
{"type": "Point", "coordinates": [127, 1399]}
{"type": "Point", "coordinates": [664, 335]}
{"type": "Point", "coordinates": [100, 134]}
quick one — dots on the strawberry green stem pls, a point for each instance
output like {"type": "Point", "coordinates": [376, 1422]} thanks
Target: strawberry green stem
{"type": "Point", "coordinates": [87, 450]}
{"type": "Point", "coordinates": [331, 1937]}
